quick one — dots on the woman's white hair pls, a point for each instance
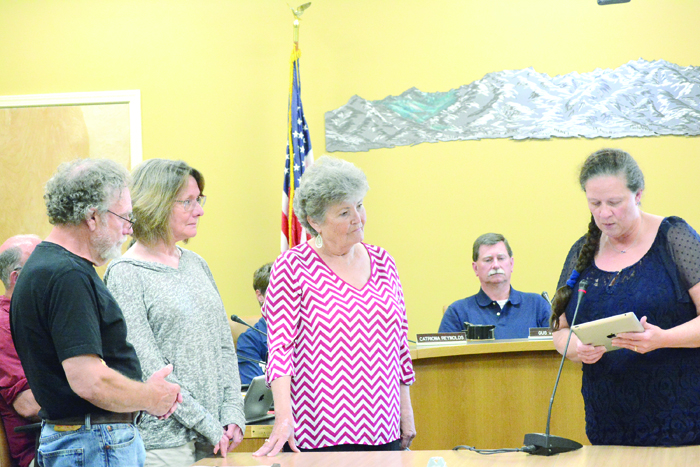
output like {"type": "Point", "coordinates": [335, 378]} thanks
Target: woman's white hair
{"type": "Point", "coordinates": [329, 181]}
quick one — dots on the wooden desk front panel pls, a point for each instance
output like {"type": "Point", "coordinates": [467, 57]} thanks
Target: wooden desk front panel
{"type": "Point", "coordinates": [254, 437]}
{"type": "Point", "coordinates": [491, 400]}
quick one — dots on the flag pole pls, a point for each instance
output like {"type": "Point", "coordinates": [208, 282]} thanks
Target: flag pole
{"type": "Point", "coordinates": [299, 154]}
{"type": "Point", "coordinates": [297, 13]}
{"type": "Point", "coordinates": [296, 34]}
{"type": "Point", "coordinates": [294, 60]}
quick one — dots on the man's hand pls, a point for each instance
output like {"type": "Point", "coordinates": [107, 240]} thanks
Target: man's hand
{"type": "Point", "coordinates": [166, 395]}
{"type": "Point", "coordinates": [25, 405]}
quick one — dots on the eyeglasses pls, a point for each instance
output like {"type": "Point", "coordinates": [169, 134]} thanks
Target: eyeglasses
{"type": "Point", "coordinates": [131, 221]}
{"type": "Point", "coordinates": [188, 204]}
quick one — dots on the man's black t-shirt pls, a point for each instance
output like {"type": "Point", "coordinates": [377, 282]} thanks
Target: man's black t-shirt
{"type": "Point", "coordinates": [62, 309]}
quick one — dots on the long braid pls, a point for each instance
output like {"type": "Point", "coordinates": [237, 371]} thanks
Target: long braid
{"type": "Point", "coordinates": [585, 259]}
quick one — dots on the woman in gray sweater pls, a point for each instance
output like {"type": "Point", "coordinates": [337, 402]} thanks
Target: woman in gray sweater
{"type": "Point", "coordinates": [175, 315]}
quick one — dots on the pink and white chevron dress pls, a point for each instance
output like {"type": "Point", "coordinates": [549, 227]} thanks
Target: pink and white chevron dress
{"type": "Point", "coordinates": [346, 349]}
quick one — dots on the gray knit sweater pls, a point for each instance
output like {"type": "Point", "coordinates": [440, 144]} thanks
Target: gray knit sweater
{"type": "Point", "coordinates": [177, 316]}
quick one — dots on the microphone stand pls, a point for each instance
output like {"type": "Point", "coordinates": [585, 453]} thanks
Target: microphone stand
{"type": "Point", "coordinates": [546, 444]}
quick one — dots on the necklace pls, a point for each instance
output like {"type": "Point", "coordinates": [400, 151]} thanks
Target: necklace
{"type": "Point", "coordinates": [639, 232]}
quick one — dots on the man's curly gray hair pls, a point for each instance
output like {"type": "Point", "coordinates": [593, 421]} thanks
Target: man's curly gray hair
{"type": "Point", "coordinates": [82, 185]}
{"type": "Point", "coordinates": [327, 182]}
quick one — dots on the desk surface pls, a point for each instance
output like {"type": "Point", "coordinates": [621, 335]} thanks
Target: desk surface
{"type": "Point", "coordinates": [588, 456]}
{"type": "Point", "coordinates": [482, 347]}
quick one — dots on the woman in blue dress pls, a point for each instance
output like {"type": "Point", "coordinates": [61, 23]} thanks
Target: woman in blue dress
{"type": "Point", "coordinates": [647, 393]}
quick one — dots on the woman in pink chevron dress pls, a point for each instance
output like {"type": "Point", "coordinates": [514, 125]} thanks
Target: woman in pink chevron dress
{"type": "Point", "coordinates": [339, 364]}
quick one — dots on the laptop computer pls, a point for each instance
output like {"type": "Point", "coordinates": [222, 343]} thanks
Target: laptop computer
{"type": "Point", "coordinates": [257, 402]}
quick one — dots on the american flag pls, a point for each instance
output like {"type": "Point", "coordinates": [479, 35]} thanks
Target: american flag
{"type": "Point", "coordinates": [299, 157]}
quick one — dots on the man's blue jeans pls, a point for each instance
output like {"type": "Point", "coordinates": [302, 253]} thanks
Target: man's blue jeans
{"type": "Point", "coordinates": [117, 444]}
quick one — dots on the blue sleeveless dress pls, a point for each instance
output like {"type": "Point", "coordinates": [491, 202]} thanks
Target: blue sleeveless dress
{"type": "Point", "coordinates": [651, 399]}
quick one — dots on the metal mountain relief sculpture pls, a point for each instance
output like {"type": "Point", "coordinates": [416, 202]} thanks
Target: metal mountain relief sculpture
{"type": "Point", "coordinates": [639, 98]}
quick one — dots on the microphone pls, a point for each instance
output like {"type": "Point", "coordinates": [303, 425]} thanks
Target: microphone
{"type": "Point", "coordinates": [238, 320]}
{"type": "Point", "coordinates": [545, 295]}
{"type": "Point", "coordinates": [546, 444]}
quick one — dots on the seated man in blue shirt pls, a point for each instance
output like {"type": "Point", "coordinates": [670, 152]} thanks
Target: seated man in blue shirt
{"type": "Point", "coordinates": [497, 303]}
{"type": "Point", "coordinates": [251, 344]}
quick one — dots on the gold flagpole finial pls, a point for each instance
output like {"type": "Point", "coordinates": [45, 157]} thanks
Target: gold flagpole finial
{"type": "Point", "coordinates": [297, 13]}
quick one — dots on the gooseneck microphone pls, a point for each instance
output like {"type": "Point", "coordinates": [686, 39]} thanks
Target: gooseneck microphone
{"type": "Point", "coordinates": [546, 444]}
{"type": "Point", "coordinates": [545, 295]}
{"type": "Point", "coordinates": [238, 320]}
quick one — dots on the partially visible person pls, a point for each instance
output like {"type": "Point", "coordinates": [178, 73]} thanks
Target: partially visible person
{"type": "Point", "coordinates": [251, 344]}
{"type": "Point", "coordinates": [17, 404]}
{"type": "Point", "coordinates": [647, 392]}
{"type": "Point", "coordinates": [497, 303]}
{"type": "Point", "coordinates": [175, 315]}
{"type": "Point", "coordinates": [70, 333]}
{"type": "Point", "coordinates": [339, 363]}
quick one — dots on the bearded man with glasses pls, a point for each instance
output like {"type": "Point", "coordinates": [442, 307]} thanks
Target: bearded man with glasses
{"type": "Point", "coordinates": [70, 333]}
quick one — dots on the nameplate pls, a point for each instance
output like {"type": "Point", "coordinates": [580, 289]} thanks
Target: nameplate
{"type": "Point", "coordinates": [540, 333]}
{"type": "Point", "coordinates": [442, 338]}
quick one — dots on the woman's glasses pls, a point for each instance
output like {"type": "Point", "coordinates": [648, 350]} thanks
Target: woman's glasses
{"type": "Point", "coordinates": [188, 204]}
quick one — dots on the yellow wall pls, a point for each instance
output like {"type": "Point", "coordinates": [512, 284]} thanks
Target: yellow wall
{"type": "Point", "coordinates": [213, 76]}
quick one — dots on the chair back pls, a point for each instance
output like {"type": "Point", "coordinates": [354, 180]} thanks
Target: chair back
{"type": "Point", "coordinates": [5, 459]}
